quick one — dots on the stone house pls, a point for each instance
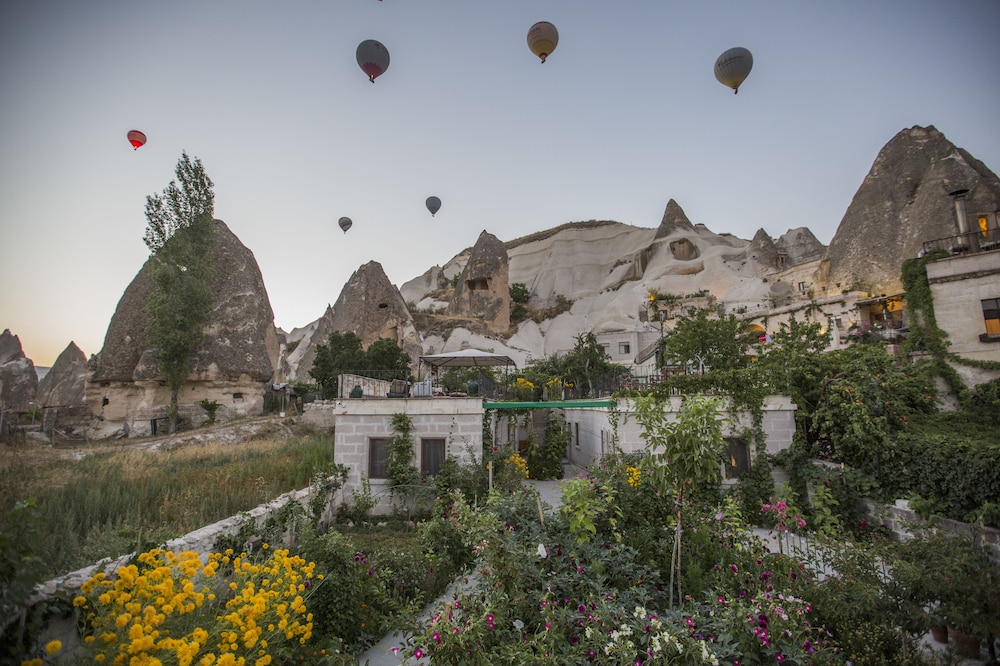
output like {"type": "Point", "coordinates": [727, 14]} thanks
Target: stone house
{"type": "Point", "coordinates": [444, 427]}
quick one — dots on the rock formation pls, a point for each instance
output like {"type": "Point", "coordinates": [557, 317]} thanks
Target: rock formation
{"type": "Point", "coordinates": [233, 365]}
{"type": "Point", "coordinates": [763, 250]}
{"type": "Point", "coordinates": [904, 202]}
{"type": "Point", "coordinates": [18, 380]}
{"type": "Point", "coordinates": [674, 219]}
{"type": "Point", "coordinates": [371, 307]}
{"type": "Point", "coordinates": [62, 392]}
{"type": "Point", "coordinates": [799, 246]}
{"type": "Point", "coordinates": [483, 289]}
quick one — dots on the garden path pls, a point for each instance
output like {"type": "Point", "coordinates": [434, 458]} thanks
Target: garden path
{"type": "Point", "coordinates": [381, 654]}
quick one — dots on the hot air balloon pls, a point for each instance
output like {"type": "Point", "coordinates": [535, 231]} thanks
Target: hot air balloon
{"type": "Point", "coordinates": [733, 67]}
{"type": "Point", "coordinates": [373, 58]}
{"type": "Point", "coordinates": [542, 39]}
{"type": "Point", "coordinates": [433, 205]}
{"type": "Point", "coordinates": [136, 138]}
{"type": "Point", "coordinates": [345, 223]}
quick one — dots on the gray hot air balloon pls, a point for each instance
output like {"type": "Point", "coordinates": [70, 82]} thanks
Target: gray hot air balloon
{"type": "Point", "coordinates": [733, 67]}
{"type": "Point", "coordinates": [433, 205]}
{"type": "Point", "coordinates": [373, 58]}
{"type": "Point", "coordinates": [345, 223]}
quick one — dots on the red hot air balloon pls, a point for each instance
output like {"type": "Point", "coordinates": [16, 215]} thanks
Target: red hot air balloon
{"type": "Point", "coordinates": [136, 138]}
{"type": "Point", "coordinates": [373, 58]}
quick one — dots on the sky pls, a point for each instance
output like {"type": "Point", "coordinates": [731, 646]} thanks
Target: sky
{"type": "Point", "coordinates": [624, 115]}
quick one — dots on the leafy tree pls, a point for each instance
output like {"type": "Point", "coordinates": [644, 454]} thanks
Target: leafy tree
{"type": "Point", "coordinates": [683, 455]}
{"type": "Point", "coordinates": [864, 397]}
{"type": "Point", "coordinates": [386, 360]}
{"type": "Point", "coordinates": [341, 354]}
{"type": "Point", "coordinates": [588, 364]}
{"type": "Point", "coordinates": [519, 293]}
{"type": "Point", "coordinates": [716, 343]}
{"type": "Point", "coordinates": [795, 365]}
{"type": "Point", "coordinates": [180, 235]}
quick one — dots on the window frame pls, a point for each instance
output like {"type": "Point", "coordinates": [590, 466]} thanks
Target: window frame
{"type": "Point", "coordinates": [436, 457]}
{"type": "Point", "coordinates": [991, 316]}
{"type": "Point", "coordinates": [378, 457]}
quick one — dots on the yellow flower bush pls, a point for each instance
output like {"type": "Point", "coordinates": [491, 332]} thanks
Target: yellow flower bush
{"type": "Point", "coordinates": [164, 610]}
{"type": "Point", "coordinates": [519, 465]}
{"type": "Point", "coordinates": [632, 475]}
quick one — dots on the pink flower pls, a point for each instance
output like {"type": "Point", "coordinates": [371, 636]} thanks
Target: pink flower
{"type": "Point", "coordinates": [418, 653]}
{"type": "Point", "coordinates": [436, 637]}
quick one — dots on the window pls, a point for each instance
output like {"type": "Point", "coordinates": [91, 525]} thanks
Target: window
{"type": "Point", "coordinates": [984, 225]}
{"type": "Point", "coordinates": [378, 457]}
{"type": "Point", "coordinates": [803, 286]}
{"type": "Point", "coordinates": [624, 348]}
{"type": "Point", "coordinates": [431, 456]}
{"type": "Point", "coordinates": [737, 458]}
{"type": "Point", "coordinates": [991, 314]}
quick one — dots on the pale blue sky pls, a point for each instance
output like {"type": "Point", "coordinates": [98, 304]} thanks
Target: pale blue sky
{"type": "Point", "coordinates": [625, 115]}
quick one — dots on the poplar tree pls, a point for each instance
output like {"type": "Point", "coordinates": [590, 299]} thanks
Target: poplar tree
{"type": "Point", "coordinates": [180, 235]}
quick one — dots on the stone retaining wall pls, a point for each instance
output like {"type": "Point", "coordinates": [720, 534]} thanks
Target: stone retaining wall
{"type": "Point", "coordinates": [901, 520]}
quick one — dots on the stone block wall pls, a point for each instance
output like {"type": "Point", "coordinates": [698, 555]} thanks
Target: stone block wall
{"type": "Point", "coordinates": [459, 421]}
{"type": "Point", "coordinates": [901, 520]}
{"type": "Point", "coordinates": [593, 434]}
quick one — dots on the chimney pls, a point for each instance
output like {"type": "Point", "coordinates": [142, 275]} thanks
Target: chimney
{"type": "Point", "coordinates": [960, 214]}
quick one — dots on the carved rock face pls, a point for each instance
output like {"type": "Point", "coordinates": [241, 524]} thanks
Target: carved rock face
{"type": "Point", "coordinates": [904, 202]}
{"type": "Point", "coordinates": [235, 361]}
{"type": "Point", "coordinates": [483, 289]}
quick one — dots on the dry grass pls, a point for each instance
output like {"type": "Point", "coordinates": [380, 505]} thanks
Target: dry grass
{"type": "Point", "coordinates": [94, 499]}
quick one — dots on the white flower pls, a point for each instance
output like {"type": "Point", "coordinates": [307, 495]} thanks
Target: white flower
{"type": "Point", "coordinates": [639, 612]}
{"type": "Point", "coordinates": [542, 553]}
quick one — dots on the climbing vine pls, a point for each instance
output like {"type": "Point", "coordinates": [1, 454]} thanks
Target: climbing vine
{"type": "Point", "coordinates": [925, 335]}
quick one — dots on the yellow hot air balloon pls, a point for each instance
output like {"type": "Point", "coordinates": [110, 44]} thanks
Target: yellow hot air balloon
{"type": "Point", "coordinates": [542, 39]}
{"type": "Point", "coordinates": [733, 67]}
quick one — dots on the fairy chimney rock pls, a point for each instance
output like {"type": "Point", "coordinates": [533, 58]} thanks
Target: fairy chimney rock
{"type": "Point", "coordinates": [18, 380]}
{"type": "Point", "coordinates": [372, 308]}
{"type": "Point", "coordinates": [483, 289]}
{"type": "Point", "coordinates": [232, 366]}
{"type": "Point", "coordinates": [63, 385]}
{"type": "Point", "coordinates": [674, 219]}
{"type": "Point", "coordinates": [903, 202]}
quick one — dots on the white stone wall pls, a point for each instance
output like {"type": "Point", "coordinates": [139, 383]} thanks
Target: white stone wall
{"type": "Point", "coordinates": [958, 285]}
{"type": "Point", "coordinates": [459, 421]}
{"type": "Point", "coordinates": [592, 432]}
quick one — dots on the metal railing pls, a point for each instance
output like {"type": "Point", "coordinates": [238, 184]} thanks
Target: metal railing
{"type": "Point", "coordinates": [970, 243]}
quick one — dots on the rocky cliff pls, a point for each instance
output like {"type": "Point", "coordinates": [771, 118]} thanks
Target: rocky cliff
{"type": "Point", "coordinates": [904, 202]}
{"type": "Point", "coordinates": [18, 380]}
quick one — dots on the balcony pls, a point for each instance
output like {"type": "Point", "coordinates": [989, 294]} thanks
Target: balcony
{"type": "Point", "coordinates": [973, 242]}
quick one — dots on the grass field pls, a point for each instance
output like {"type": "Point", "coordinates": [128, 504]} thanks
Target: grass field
{"type": "Point", "coordinates": [102, 499]}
